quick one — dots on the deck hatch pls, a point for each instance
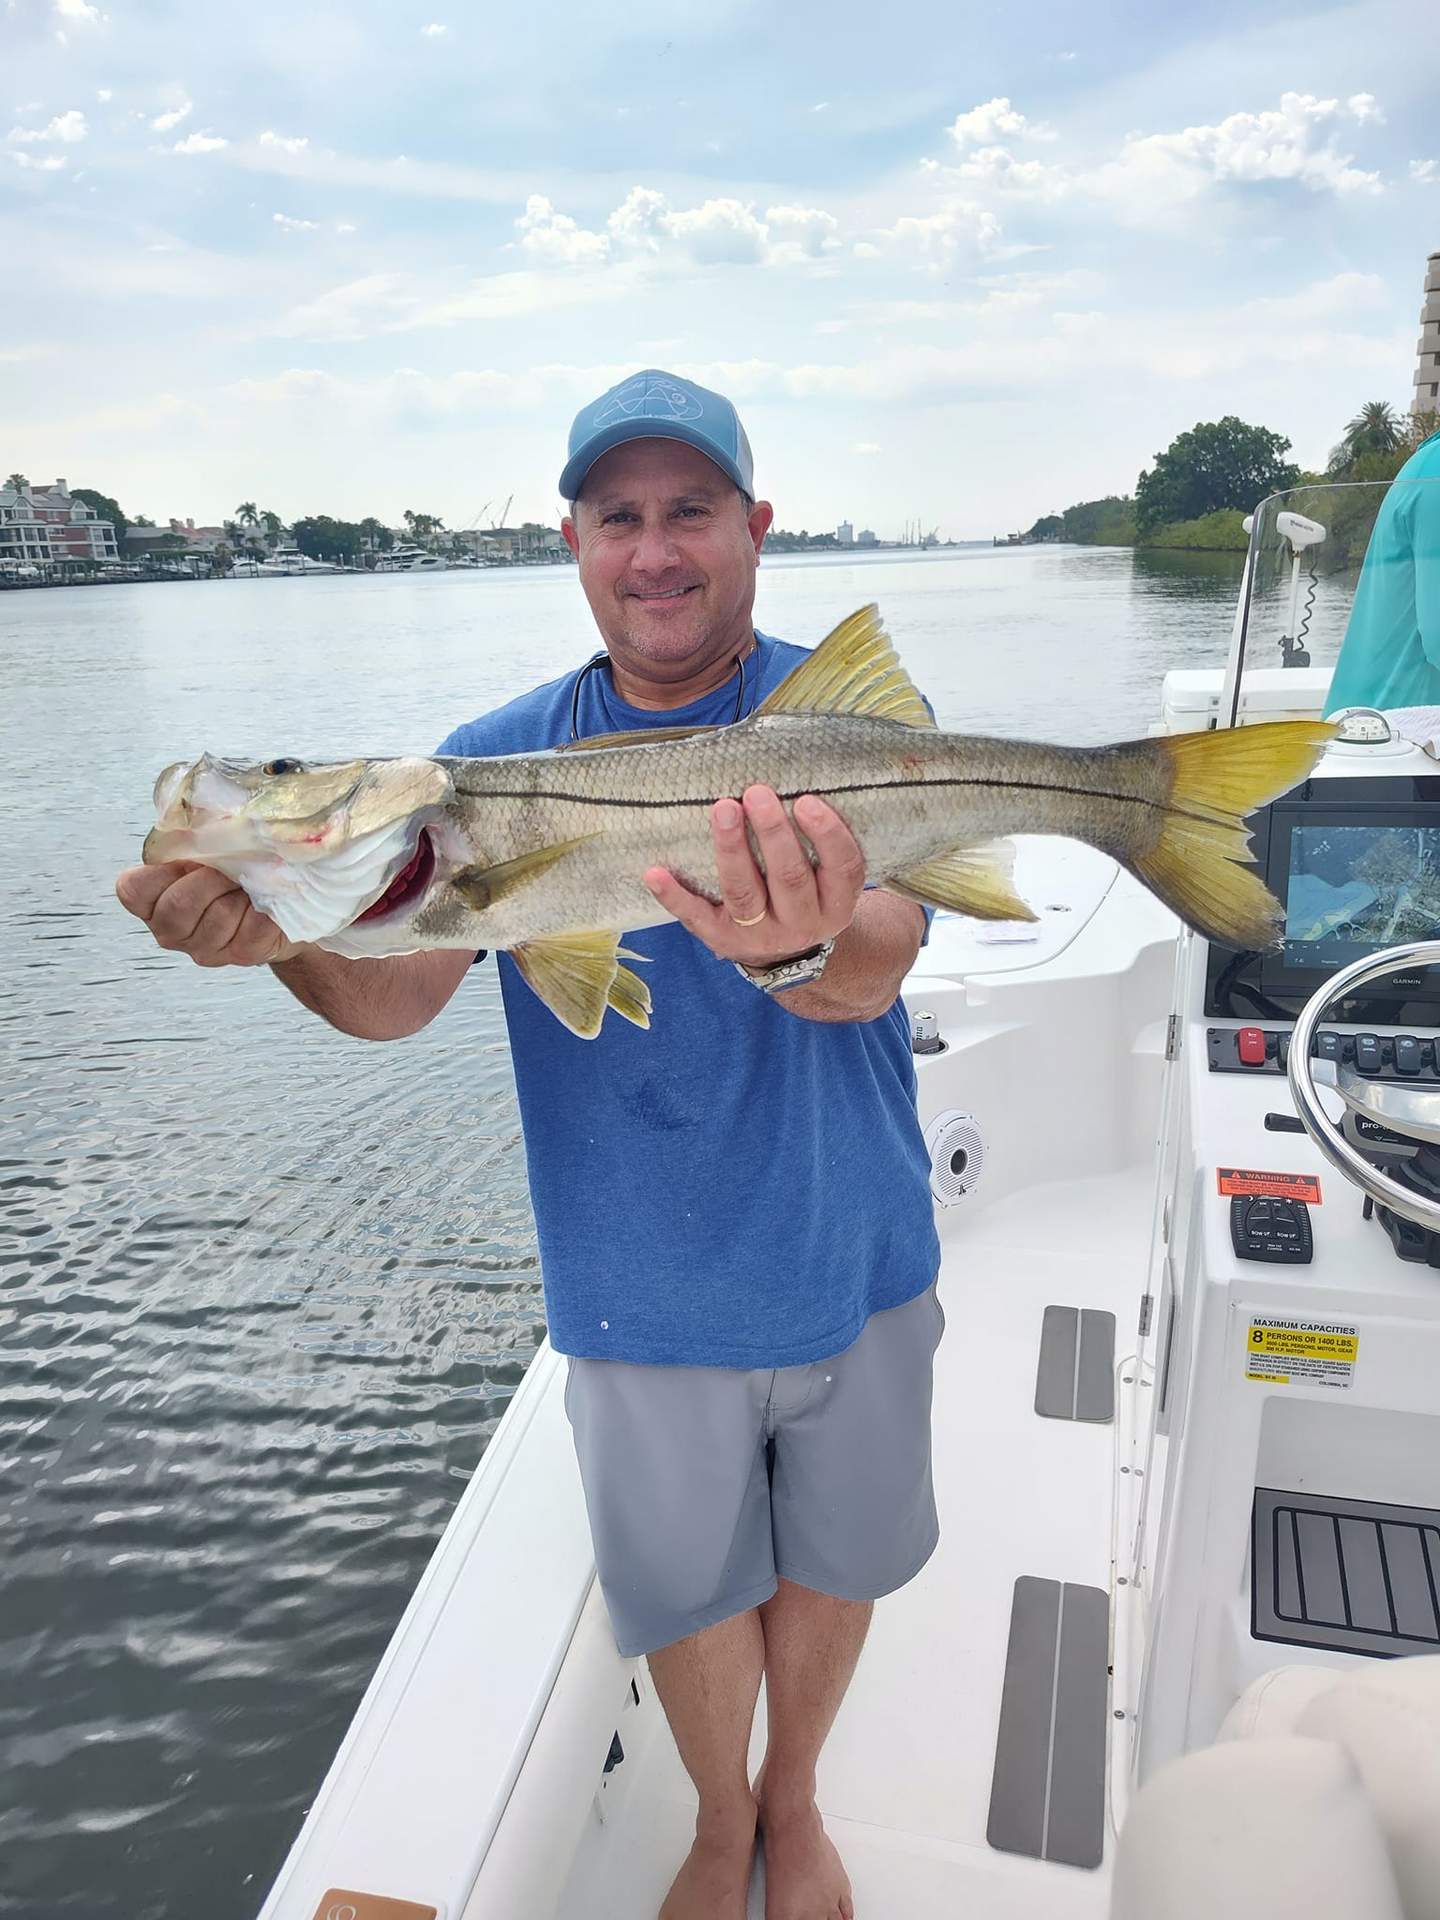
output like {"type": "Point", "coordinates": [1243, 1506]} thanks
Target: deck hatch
{"type": "Point", "coordinates": [1047, 1795]}
{"type": "Point", "coordinates": [1344, 1576]}
{"type": "Point", "coordinates": [1075, 1374]}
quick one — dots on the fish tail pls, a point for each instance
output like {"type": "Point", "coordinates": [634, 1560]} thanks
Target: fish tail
{"type": "Point", "coordinates": [1196, 862]}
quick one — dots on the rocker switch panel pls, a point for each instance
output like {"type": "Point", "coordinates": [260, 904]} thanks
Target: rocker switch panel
{"type": "Point", "coordinates": [1262, 1228]}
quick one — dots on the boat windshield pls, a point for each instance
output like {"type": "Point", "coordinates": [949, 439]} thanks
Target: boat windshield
{"type": "Point", "coordinates": [1341, 583]}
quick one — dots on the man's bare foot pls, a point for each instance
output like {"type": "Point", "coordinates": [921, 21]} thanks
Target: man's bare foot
{"type": "Point", "coordinates": [714, 1883]}
{"type": "Point", "coordinates": [804, 1878]}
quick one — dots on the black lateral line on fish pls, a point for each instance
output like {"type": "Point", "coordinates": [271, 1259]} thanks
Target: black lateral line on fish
{"type": "Point", "coordinates": [871, 786]}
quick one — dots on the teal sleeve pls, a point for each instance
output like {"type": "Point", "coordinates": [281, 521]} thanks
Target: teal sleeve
{"type": "Point", "coordinates": [1425, 534]}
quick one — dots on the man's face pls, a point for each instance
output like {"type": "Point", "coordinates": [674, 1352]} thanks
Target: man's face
{"type": "Point", "coordinates": [667, 557]}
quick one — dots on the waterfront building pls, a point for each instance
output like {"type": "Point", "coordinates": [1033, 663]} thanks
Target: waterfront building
{"type": "Point", "coordinates": [200, 541]}
{"type": "Point", "coordinates": [1427, 369]}
{"type": "Point", "coordinates": [866, 538]}
{"type": "Point", "coordinates": [44, 526]}
{"type": "Point", "coordinates": [845, 534]}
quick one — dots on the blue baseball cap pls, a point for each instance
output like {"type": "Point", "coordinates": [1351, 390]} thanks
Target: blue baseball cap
{"type": "Point", "coordinates": [659, 406]}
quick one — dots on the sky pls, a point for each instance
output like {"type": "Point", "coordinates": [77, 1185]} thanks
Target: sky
{"type": "Point", "coordinates": [956, 263]}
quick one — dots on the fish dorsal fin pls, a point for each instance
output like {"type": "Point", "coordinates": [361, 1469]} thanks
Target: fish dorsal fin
{"type": "Point", "coordinates": [639, 737]}
{"type": "Point", "coordinates": [971, 880]}
{"type": "Point", "coordinates": [578, 975]}
{"type": "Point", "coordinates": [854, 670]}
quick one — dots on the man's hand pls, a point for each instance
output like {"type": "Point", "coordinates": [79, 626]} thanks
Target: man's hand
{"type": "Point", "coordinates": [789, 908]}
{"type": "Point", "coordinates": [198, 911]}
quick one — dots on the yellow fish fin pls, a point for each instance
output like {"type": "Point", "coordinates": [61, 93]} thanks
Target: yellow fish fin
{"type": "Point", "coordinates": [1196, 863]}
{"type": "Point", "coordinates": [481, 887]}
{"type": "Point", "coordinates": [971, 880]}
{"type": "Point", "coordinates": [640, 737]}
{"type": "Point", "coordinates": [854, 670]}
{"type": "Point", "coordinates": [578, 976]}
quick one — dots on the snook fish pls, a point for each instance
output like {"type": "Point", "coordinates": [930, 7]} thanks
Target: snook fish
{"type": "Point", "coordinates": [543, 854]}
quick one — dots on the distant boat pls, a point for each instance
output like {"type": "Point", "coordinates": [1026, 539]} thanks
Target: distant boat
{"type": "Point", "coordinates": [408, 558]}
{"type": "Point", "coordinates": [290, 560]}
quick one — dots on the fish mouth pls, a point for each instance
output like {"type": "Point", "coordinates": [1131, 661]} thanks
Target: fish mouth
{"type": "Point", "coordinates": [408, 887]}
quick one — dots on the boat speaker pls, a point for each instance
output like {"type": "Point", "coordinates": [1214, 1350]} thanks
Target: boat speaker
{"type": "Point", "coordinates": [957, 1156]}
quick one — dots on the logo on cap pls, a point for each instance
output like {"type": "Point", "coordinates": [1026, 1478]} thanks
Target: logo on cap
{"type": "Point", "coordinates": [646, 398]}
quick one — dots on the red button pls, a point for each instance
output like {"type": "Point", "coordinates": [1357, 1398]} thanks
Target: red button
{"type": "Point", "coordinates": [1250, 1044]}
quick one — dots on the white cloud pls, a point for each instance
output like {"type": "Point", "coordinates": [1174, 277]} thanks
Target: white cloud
{"type": "Point", "coordinates": [866, 446]}
{"type": "Point", "coordinates": [40, 162]}
{"type": "Point", "coordinates": [345, 226]}
{"type": "Point", "coordinates": [639, 221]}
{"type": "Point", "coordinates": [205, 142]}
{"type": "Point", "coordinates": [1155, 173]}
{"type": "Point", "coordinates": [820, 106]}
{"type": "Point", "coordinates": [104, 93]}
{"type": "Point", "coordinates": [1067, 55]}
{"type": "Point", "coordinates": [1425, 171]}
{"type": "Point", "coordinates": [720, 231]}
{"type": "Point", "coordinates": [986, 125]}
{"type": "Point", "coordinates": [293, 144]}
{"type": "Point", "coordinates": [164, 122]}
{"type": "Point", "coordinates": [434, 31]}
{"type": "Point", "coordinates": [997, 167]}
{"type": "Point", "coordinates": [1363, 108]}
{"type": "Point", "coordinates": [75, 13]}
{"type": "Point", "coordinates": [284, 221]}
{"type": "Point", "coordinates": [807, 231]}
{"type": "Point", "coordinates": [554, 237]}
{"type": "Point", "coordinates": [67, 128]}
{"type": "Point", "coordinates": [936, 238]}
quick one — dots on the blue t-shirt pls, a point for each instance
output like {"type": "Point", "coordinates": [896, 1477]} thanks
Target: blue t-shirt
{"type": "Point", "coordinates": [1391, 655]}
{"type": "Point", "coordinates": [736, 1187]}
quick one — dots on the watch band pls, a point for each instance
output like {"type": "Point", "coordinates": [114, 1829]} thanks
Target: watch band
{"type": "Point", "coordinates": [798, 972]}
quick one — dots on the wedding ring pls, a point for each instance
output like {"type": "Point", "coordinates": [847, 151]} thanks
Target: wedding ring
{"type": "Point", "coordinates": [754, 921]}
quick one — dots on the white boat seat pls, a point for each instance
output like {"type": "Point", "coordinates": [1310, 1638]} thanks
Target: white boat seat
{"type": "Point", "coordinates": [1320, 1800]}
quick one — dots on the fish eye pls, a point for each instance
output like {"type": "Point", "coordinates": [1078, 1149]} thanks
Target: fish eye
{"type": "Point", "coordinates": [283, 766]}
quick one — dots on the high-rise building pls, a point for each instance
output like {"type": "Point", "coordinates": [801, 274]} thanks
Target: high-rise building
{"type": "Point", "coordinates": [845, 533]}
{"type": "Point", "coordinates": [1427, 371]}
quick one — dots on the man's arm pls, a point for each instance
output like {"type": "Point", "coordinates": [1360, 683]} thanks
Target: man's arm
{"type": "Point", "coordinates": [202, 913]}
{"type": "Point", "coordinates": [795, 905]}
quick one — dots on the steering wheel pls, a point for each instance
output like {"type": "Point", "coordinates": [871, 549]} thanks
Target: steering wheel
{"type": "Point", "coordinates": [1409, 1108]}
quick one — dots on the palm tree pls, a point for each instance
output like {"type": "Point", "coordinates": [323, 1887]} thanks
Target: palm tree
{"type": "Point", "coordinates": [245, 513]}
{"type": "Point", "coordinates": [271, 523]}
{"type": "Point", "coordinates": [17, 482]}
{"type": "Point", "coordinates": [1376, 428]}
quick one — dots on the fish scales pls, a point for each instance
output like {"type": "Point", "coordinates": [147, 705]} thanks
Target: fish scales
{"type": "Point", "coordinates": [544, 854]}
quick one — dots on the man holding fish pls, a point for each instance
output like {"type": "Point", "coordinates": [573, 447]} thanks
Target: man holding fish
{"type": "Point", "coordinates": [733, 1207]}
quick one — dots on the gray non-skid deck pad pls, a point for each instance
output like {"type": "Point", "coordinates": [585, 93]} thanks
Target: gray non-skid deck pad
{"type": "Point", "coordinates": [1075, 1377]}
{"type": "Point", "coordinates": [1047, 1794]}
{"type": "Point", "coordinates": [1350, 1576]}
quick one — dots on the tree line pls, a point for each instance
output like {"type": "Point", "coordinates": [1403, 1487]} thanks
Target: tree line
{"type": "Point", "coordinates": [1199, 489]}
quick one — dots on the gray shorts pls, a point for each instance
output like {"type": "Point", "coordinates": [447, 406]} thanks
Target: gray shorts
{"type": "Point", "coordinates": [705, 1484]}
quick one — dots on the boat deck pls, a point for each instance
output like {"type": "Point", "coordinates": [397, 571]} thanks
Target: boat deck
{"type": "Point", "coordinates": [905, 1778]}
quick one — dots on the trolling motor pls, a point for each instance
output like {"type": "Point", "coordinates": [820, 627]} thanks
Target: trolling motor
{"type": "Point", "coordinates": [1301, 533]}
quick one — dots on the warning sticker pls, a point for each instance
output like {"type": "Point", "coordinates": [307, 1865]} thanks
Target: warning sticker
{"type": "Point", "coordinates": [1282, 1352]}
{"type": "Point", "coordinates": [1275, 1186]}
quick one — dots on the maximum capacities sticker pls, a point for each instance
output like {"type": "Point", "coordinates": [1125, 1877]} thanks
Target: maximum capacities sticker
{"type": "Point", "coordinates": [1282, 1352]}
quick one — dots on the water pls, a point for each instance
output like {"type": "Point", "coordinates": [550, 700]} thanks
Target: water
{"type": "Point", "coordinates": [264, 1290]}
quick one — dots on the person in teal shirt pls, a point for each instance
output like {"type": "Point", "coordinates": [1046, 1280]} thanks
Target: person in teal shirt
{"type": "Point", "coordinates": [1391, 655]}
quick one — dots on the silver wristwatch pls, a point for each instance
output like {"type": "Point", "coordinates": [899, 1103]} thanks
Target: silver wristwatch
{"type": "Point", "coordinates": [798, 972]}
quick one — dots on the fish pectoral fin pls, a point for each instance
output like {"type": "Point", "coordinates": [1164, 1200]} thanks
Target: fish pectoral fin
{"type": "Point", "coordinates": [854, 670]}
{"type": "Point", "coordinates": [578, 976]}
{"type": "Point", "coordinates": [481, 887]}
{"type": "Point", "coordinates": [971, 880]}
{"type": "Point", "coordinates": [640, 737]}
